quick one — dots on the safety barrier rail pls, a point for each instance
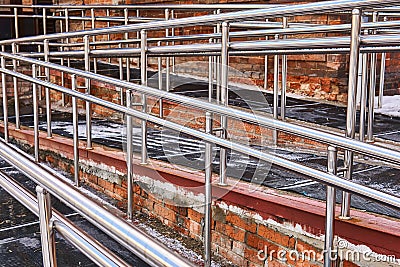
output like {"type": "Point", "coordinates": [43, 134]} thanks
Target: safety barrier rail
{"type": "Point", "coordinates": [353, 44]}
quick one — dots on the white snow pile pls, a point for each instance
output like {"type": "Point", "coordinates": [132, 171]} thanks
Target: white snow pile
{"type": "Point", "coordinates": [390, 106]}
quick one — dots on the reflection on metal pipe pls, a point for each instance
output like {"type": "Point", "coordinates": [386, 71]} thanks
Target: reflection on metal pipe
{"type": "Point", "coordinates": [224, 67]}
{"type": "Point", "coordinates": [208, 193]}
{"type": "Point", "coordinates": [88, 89]}
{"type": "Point", "coordinates": [75, 131]}
{"type": "Point", "coordinates": [276, 95]}
{"type": "Point", "coordinates": [46, 50]}
{"type": "Point", "coordinates": [351, 104]}
{"type": "Point", "coordinates": [5, 100]}
{"type": "Point", "coordinates": [15, 86]}
{"type": "Point", "coordinates": [363, 101]}
{"type": "Point", "coordinates": [284, 75]}
{"type": "Point", "coordinates": [35, 115]}
{"type": "Point", "coordinates": [329, 253]}
{"type": "Point", "coordinates": [46, 228]}
{"type": "Point", "coordinates": [143, 76]}
{"type": "Point", "coordinates": [129, 155]}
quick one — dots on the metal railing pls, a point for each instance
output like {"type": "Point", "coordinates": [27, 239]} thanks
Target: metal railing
{"type": "Point", "coordinates": [353, 44]}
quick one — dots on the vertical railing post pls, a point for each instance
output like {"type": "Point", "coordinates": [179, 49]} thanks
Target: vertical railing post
{"type": "Point", "coordinates": [5, 99]}
{"type": "Point", "coordinates": [121, 75]}
{"type": "Point", "coordinates": [284, 75]}
{"type": "Point", "coordinates": [218, 64]}
{"type": "Point", "coordinates": [351, 104]}
{"type": "Point", "coordinates": [167, 59]}
{"type": "Point", "coordinates": [210, 74]}
{"type": "Point", "coordinates": [46, 228]}
{"type": "Point", "coordinates": [363, 100]}
{"type": "Point", "coordinates": [208, 193]}
{"type": "Point", "coordinates": [173, 42]}
{"type": "Point", "coordinates": [35, 114]}
{"type": "Point", "coordinates": [75, 126]}
{"type": "Point", "coordinates": [382, 76]}
{"type": "Point", "coordinates": [16, 25]}
{"type": "Point", "coordinates": [126, 36]}
{"type": "Point", "coordinates": [330, 210]}
{"type": "Point", "coordinates": [266, 67]}
{"type": "Point", "coordinates": [276, 95]}
{"type": "Point", "coordinates": [93, 18]}
{"type": "Point", "coordinates": [160, 83]}
{"type": "Point", "coordinates": [44, 21]}
{"type": "Point", "coordinates": [129, 155]}
{"type": "Point", "coordinates": [88, 89]}
{"type": "Point", "coordinates": [224, 100]}
{"type": "Point", "coordinates": [46, 50]}
{"type": "Point", "coordinates": [15, 86]}
{"type": "Point", "coordinates": [108, 35]}
{"type": "Point", "coordinates": [143, 69]}
{"type": "Point", "coordinates": [62, 60]}
{"type": "Point", "coordinates": [372, 87]}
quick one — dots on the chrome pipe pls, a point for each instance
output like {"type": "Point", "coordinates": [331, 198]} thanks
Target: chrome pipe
{"type": "Point", "coordinates": [75, 131]}
{"type": "Point", "coordinates": [167, 60]}
{"type": "Point", "coordinates": [208, 193]}
{"type": "Point", "coordinates": [47, 235]}
{"type": "Point", "coordinates": [90, 247]}
{"type": "Point", "coordinates": [382, 80]}
{"type": "Point", "coordinates": [126, 36]}
{"type": "Point", "coordinates": [371, 98]}
{"type": "Point", "coordinates": [275, 95]}
{"type": "Point", "coordinates": [5, 99]}
{"type": "Point", "coordinates": [224, 67]}
{"type": "Point", "coordinates": [88, 91]}
{"type": "Point", "coordinates": [160, 83]}
{"type": "Point", "coordinates": [16, 23]}
{"type": "Point", "coordinates": [149, 250]}
{"type": "Point", "coordinates": [35, 115]}
{"type": "Point", "coordinates": [363, 101]}
{"type": "Point", "coordinates": [44, 21]}
{"type": "Point", "coordinates": [351, 104]}
{"type": "Point", "coordinates": [370, 150]}
{"type": "Point", "coordinates": [302, 9]}
{"type": "Point", "coordinates": [46, 51]}
{"type": "Point", "coordinates": [284, 75]}
{"type": "Point", "coordinates": [218, 61]}
{"type": "Point", "coordinates": [121, 76]}
{"type": "Point", "coordinates": [143, 76]}
{"type": "Point", "coordinates": [173, 42]}
{"type": "Point", "coordinates": [108, 35]}
{"type": "Point", "coordinates": [61, 49]}
{"type": "Point", "coordinates": [266, 67]}
{"type": "Point", "coordinates": [329, 252]}
{"type": "Point", "coordinates": [264, 121]}
{"type": "Point", "coordinates": [15, 87]}
{"type": "Point", "coordinates": [129, 156]}
{"type": "Point", "coordinates": [93, 20]}
{"type": "Point", "coordinates": [372, 87]}
{"type": "Point", "coordinates": [210, 75]}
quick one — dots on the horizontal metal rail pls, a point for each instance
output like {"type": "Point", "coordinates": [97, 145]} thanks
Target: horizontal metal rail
{"type": "Point", "coordinates": [41, 177]}
{"type": "Point", "coordinates": [132, 238]}
{"type": "Point", "coordinates": [308, 133]}
{"type": "Point", "coordinates": [94, 250]}
{"type": "Point", "coordinates": [302, 9]}
{"type": "Point", "coordinates": [255, 47]}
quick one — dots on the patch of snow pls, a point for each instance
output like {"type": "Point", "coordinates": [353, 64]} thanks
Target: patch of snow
{"type": "Point", "coordinates": [175, 245]}
{"type": "Point", "coordinates": [390, 106]}
{"type": "Point", "coordinates": [29, 242]}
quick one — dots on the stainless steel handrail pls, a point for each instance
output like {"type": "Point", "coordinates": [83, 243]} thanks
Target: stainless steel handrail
{"type": "Point", "coordinates": [302, 9]}
{"type": "Point", "coordinates": [126, 234]}
{"type": "Point", "coordinates": [320, 176]}
{"type": "Point", "coordinates": [85, 243]}
{"type": "Point", "coordinates": [302, 131]}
